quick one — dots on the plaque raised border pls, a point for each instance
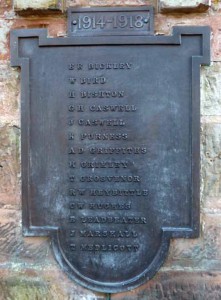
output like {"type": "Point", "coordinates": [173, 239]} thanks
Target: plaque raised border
{"type": "Point", "coordinates": [30, 228]}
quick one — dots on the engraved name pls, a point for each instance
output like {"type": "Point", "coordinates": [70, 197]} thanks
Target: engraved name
{"type": "Point", "coordinates": [101, 164]}
{"type": "Point", "coordinates": [101, 66]}
{"type": "Point", "coordinates": [113, 220]}
{"type": "Point", "coordinates": [113, 108]}
{"type": "Point", "coordinates": [110, 178]}
{"type": "Point", "coordinates": [101, 206]}
{"type": "Point", "coordinates": [104, 164]}
{"type": "Point", "coordinates": [115, 193]}
{"type": "Point", "coordinates": [108, 233]}
{"type": "Point", "coordinates": [110, 66]}
{"type": "Point", "coordinates": [103, 108]}
{"type": "Point", "coordinates": [113, 122]}
{"type": "Point", "coordinates": [126, 150]}
{"type": "Point", "coordinates": [88, 80]}
{"type": "Point", "coordinates": [109, 248]}
{"type": "Point", "coordinates": [104, 136]}
{"type": "Point", "coordinates": [132, 192]}
{"type": "Point", "coordinates": [110, 206]}
{"type": "Point", "coordinates": [102, 94]}
{"type": "Point", "coordinates": [96, 150]}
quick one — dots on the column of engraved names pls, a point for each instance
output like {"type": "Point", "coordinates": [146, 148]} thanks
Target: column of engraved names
{"type": "Point", "coordinates": [101, 159]}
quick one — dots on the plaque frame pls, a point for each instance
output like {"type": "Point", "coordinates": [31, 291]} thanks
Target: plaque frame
{"type": "Point", "coordinates": [30, 229]}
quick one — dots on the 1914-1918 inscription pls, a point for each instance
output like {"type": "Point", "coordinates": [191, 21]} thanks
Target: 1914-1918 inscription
{"type": "Point", "coordinates": [110, 142]}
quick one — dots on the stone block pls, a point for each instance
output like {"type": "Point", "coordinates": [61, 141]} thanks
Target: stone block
{"type": "Point", "coordinates": [10, 93]}
{"type": "Point", "coordinates": [20, 5]}
{"type": "Point", "coordinates": [5, 5]}
{"type": "Point", "coordinates": [5, 27]}
{"type": "Point", "coordinates": [30, 284]}
{"type": "Point", "coordinates": [215, 24]}
{"type": "Point", "coordinates": [177, 286]}
{"type": "Point", "coordinates": [9, 136]}
{"type": "Point", "coordinates": [210, 90]}
{"type": "Point", "coordinates": [211, 204]}
{"type": "Point", "coordinates": [71, 3]}
{"type": "Point", "coordinates": [9, 165]}
{"type": "Point", "coordinates": [184, 6]}
{"type": "Point", "coordinates": [200, 253]}
{"type": "Point", "coordinates": [216, 5]}
{"type": "Point", "coordinates": [19, 250]}
{"type": "Point", "coordinates": [28, 269]}
{"type": "Point", "coordinates": [211, 160]}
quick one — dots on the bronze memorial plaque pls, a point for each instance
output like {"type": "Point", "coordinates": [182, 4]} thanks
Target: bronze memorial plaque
{"type": "Point", "coordinates": [110, 119]}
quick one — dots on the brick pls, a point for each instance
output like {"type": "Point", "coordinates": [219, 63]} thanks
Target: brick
{"type": "Point", "coordinates": [211, 160]}
{"type": "Point", "coordinates": [184, 6]}
{"type": "Point", "coordinates": [177, 286]}
{"type": "Point", "coordinates": [56, 26]}
{"type": "Point", "coordinates": [210, 89]}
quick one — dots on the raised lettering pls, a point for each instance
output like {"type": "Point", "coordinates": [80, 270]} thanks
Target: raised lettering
{"type": "Point", "coordinates": [101, 94]}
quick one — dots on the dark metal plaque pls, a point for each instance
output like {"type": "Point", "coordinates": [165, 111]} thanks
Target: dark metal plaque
{"type": "Point", "coordinates": [110, 144]}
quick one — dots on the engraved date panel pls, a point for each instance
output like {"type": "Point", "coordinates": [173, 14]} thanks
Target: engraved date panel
{"type": "Point", "coordinates": [120, 21]}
